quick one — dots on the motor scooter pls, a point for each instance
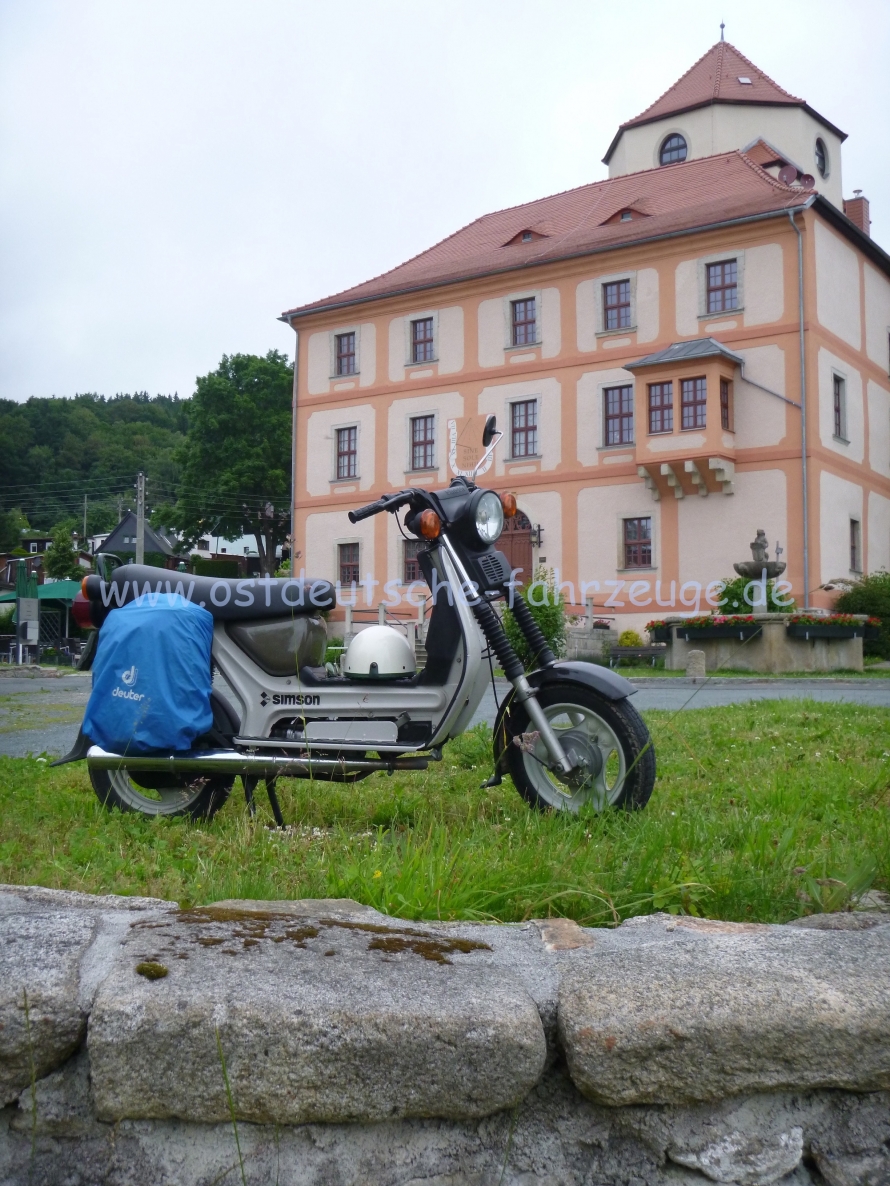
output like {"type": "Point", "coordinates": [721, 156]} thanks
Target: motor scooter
{"type": "Point", "coordinates": [566, 733]}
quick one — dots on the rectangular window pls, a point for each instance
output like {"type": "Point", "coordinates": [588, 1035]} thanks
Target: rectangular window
{"type": "Point", "coordinates": [616, 305]}
{"type": "Point", "coordinates": [348, 556]}
{"type": "Point", "coordinates": [524, 428]}
{"type": "Point", "coordinates": [347, 452]}
{"type": "Point", "coordinates": [422, 340]}
{"type": "Point", "coordinates": [412, 568]}
{"type": "Point", "coordinates": [423, 442]}
{"type": "Point", "coordinates": [525, 325]}
{"type": "Point", "coordinates": [723, 286]}
{"type": "Point", "coordinates": [694, 402]}
{"type": "Point", "coordinates": [840, 408]}
{"type": "Point", "coordinates": [345, 357]}
{"type": "Point", "coordinates": [855, 546]}
{"type": "Point", "coordinates": [661, 407]}
{"type": "Point", "coordinates": [618, 404]}
{"type": "Point", "coordinates": [637, 543]}
{"type": "Point", "coordinates": [726, 405]}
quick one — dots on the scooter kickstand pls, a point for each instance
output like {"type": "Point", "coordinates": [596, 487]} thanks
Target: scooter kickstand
{"type": "Point", "coordinates": [273, 800]}
{"type": "Point", "coordinates": [249, 787]}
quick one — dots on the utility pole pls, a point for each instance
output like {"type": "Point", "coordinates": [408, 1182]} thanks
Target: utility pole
{"type": "Point", "coordinates": [84, 521]}
{"type": "Point", "coordinates": [140, 518]}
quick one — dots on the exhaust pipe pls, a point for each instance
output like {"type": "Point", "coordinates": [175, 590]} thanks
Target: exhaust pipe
{"type": "Point", "coordinates": [226, 761]}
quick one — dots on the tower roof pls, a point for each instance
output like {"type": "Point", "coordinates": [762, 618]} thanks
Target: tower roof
{"type": "Point", "coordinates": [722, 75]}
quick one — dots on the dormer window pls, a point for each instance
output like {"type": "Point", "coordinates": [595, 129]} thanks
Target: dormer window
{"type": "Point", "coordinates": [626, 216]}
{"type": "Point", "coordinates": [526, 236]}
{"type": "Point", "coordinates": [673, 149]}
{"type": "Point", "coordinates": [529, 234]}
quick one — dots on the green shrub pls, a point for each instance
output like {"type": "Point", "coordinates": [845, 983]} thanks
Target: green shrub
{"type": "Point", "coordinates": [548, 609]}
{"type": "Point", "coordinates": [215, 568]}
{"type": "Point", "coordinates": [733, 601]}
{"type": "Point", "coordinates": [871, 595]}
{"type": "Point", "coordinates": [629, 638]}
{"type": "Point", "coordinates": [333, 650]}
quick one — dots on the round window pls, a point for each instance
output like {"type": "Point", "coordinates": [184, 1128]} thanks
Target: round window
{"type": "Point", "coordinates": [821, 158]}
{"type": "Point", "coordinates": [673, 149]}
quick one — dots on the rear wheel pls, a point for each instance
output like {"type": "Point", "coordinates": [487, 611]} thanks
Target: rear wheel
{"type": "Point", "coordinates": [608, 739]}
{"type": "Point", "coordinates": [162, 794]}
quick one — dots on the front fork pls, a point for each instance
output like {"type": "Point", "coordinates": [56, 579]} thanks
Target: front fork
{"type": "Point", "coordinates": [510, 662]}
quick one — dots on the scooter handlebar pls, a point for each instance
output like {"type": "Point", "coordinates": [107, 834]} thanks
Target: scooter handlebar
{"type": "Point", "coordinates": [389, 502]}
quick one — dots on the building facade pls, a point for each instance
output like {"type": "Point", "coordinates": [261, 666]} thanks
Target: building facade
{"type": "Point", "coordinates": [649, 344]}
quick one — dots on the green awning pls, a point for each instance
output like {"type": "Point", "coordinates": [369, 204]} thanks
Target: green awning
{"type": "Point", "coordinates": [57, 591]}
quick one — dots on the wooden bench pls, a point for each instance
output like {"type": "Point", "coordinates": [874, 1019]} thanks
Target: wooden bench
{"type": "Point", "coordinates": [616, 654]}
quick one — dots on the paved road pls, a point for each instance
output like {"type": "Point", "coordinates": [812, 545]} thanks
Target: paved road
{"type": "Point", "coordinates": [41, 715]}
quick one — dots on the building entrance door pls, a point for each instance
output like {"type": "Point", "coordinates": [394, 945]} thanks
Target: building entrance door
{"type": "Point", "coordinates": [516, 544]}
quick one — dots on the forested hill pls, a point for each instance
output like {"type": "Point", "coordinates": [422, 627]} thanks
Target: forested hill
{"type": "Point", "coordinates": [54, 451]}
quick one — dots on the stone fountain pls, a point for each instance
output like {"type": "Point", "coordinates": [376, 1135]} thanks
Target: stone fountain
{"type": "Point", "coordinates": [760, 568]}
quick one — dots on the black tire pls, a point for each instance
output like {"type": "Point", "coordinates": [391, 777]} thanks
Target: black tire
{"type": "Point", "coordinates": [166, 795]}
{"type": "Point", "coordinates": [610, 734]}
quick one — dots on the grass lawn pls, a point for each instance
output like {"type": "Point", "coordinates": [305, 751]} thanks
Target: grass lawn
{"type": "Point", "coordinates": [762, 811]}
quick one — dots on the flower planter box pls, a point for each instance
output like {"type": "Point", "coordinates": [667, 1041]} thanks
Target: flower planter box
{"type": "Point", "coordinates": [810, 631]}
{"type": "Point", "coordinates": [871, 633]}
{"type": "Point", "coordinates": [660, 634]}
{"type": "Point", "coordinates": [741, 631]}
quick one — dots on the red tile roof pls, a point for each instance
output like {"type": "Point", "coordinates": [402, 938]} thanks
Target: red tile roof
{"type": "Point", "coordinates": [674, 198]}
{"type": "Point", "coordinates": [714, 78]}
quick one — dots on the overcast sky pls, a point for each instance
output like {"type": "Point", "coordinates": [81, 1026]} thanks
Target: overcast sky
{"type": "Point", "coordinates": [175, 174]}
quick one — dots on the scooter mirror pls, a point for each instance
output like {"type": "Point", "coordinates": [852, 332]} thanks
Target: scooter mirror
{"type": "Point", "coordinates": [106, 563]}
{"type": "Point", "coordinates": [491, 427]}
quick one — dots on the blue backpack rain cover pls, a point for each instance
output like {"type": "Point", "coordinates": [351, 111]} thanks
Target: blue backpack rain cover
{"type": "Point", "coordinates": [151, 677]}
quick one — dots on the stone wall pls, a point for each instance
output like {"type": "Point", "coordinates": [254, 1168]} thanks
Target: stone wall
{"type": "Point", "coordinates": [770, 652]}
{"type": "Point", "coordinates": [354, 1048]}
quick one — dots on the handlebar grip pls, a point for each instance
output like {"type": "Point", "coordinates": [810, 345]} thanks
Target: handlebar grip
{"type": "Point", "coordinates": [373, 508]}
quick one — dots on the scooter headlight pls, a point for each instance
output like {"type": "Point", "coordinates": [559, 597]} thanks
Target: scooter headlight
{"type": "Point", "coordinates": [489, 517]}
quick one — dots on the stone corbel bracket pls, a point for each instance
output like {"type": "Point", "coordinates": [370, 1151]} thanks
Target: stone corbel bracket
{"type": "Point", "coordinates": [698, 478]}
{"type": "Point", "coordinates": [724, 472]}
{"type": "Point", "coordinates": [667, 471]}
{"type": "Point", "coordinates": [649, 482]}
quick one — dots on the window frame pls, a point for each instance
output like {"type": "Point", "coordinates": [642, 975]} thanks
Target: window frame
{"type": "Point", "coordinates": [820, 149]}
{"type": "Point", "coordinates": [662, 145]}
{"type": "Point", "coordinates": [721, 289]}
{"type": "Point", "coordinates": [703, 263]}
{"type": "Point", "coordinates": [645, 544]}
{"type": "Point", "coordinates": [410, 564]}
{"type": "Point", "coordinates": [527, 430]}
{"type": "Point", "coordinates": [599, 286]}
{"type": "Point", "coordinates": [694, 404]}
{"type": "Point", "coordinates": [663, 411]}
{"type": "Point", "coordinates": [346, 453]}
{"type": "Point", "coordinates": [855, 545]}
{"type": "Point", "coordinates": [427, 443]}
{"type": "Point", "coordinates": [727, 409]}
{"type": "Point", "coordinates": [620, 416]}
{"type": "Point", "coordinates": [428, 343]}
{"type": "Point", "coordinates": [515, 325]}
{"type": "Point", "coordinates": [341, 356]}
{"type": "Point", "coordinates": [839, 407]}
{"type": "Point", "coordinates": [356, 562]}
{"type": "Point", "coordinates": [620, 307]}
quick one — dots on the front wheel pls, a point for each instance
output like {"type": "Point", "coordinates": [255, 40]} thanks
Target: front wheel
{"type": "Point", "coordinates": [160, 794]}
{"type": "Point", "coordinates": [608, 739]}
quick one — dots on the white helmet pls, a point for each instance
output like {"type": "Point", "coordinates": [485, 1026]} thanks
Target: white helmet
{"type": "Point", "coordinates": [379, 652]}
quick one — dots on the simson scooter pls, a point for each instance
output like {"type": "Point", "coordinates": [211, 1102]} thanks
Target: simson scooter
{"type": "Point", "coordinates": [566, 733]}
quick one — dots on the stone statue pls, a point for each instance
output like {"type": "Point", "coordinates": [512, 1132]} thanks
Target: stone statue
{"type": "Point", "coordinates": [759, 546]}
{"type": "Point", "coordinates": [760, 566]}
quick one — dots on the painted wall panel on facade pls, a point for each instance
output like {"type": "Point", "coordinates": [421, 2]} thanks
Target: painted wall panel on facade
{"type": "Point", "coordinates": [318, 366]}
{"type": "Point", "coordinates": [724, 127]}
{"type": "Point", "coordinates": [451, 340]}
{"type": "Point", "coordinates": [589, 409]}
{"type": "Point", "coordinates": [491, 333]}
{"type": "Point", "coordinates": [878, 533]}
{"type": "Point", "coordinates": [545, 507]}
{"type": "Point", "coordinates": [368, 373]}
{"type": "Point", "coordinates": [829, 365]}
{"type": "Point", "coordinates": [686, 297]}
{"type": "Point", "coordinates": [548, 392]}
{"type": "Point", "coordinates": [837, 286]}
{"type": "Point", "coordinates": [647, 305]}
{"type": "Point", "coordinates": [320, 446]}
{"type": "Point", "coordinates": [879, 429]}
{"type": "Point", "coordinates": [396, 356]}
{"type": "Point", "coordinates": [764, 284]}
{"type": "Point", "coordinates": [840, 501]}
{"type": "Point", "coordinates": [760, 418]}
{"type": "Point", "coordinates": [445, 406]}
{"type": "Point", "coordinates": [716, 531]}
{"type": "Point", "coordinates": [601, 511]}
{"type": "Point", "coordinates": [585, 313]}
{"type": "Point", "coordinates": [325, 531]}
{"type": "Point", "coordinates": [551, 326]}
{"type": "Point", "coordinates": [877, 317]}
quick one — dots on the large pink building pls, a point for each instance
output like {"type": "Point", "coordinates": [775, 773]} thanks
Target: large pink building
{"type": "Point", "coordinates": [649, 343]}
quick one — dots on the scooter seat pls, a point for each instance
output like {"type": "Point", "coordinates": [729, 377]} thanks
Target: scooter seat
{"type": "Point", "coordinates": [229, 599]}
